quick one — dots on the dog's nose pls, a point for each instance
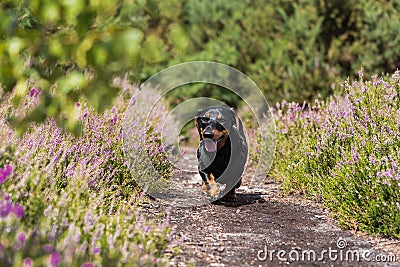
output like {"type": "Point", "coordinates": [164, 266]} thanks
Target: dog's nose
{"type": "Point", "coordinates": [208, 133]}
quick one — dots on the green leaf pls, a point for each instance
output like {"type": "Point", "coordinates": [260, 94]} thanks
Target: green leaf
{"type": "Point", "coordinates": [74, 81]}
{"type": "Point", "coordinates": [50, 12]}
{"type": "Point", "coordinates": [178, 37]}
{"type": "Point", "coordinates": [130, 41]}
{"type": "Point", "coordinates": [154, 49]}
{"type": "Point", "coordinates": [15, 45]}
{"type": "Point", "coordinates": [98, 55]}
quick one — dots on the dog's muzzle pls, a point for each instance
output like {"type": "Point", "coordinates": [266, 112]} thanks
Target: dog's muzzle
{"type": "Point", "coordinates": [208, 132]}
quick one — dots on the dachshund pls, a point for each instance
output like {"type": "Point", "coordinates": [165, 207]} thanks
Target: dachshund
{"type": "Point", "coordinates": [223, 151]}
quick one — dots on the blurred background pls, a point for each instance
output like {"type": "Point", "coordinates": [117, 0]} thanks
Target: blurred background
{"type": "Point", "coordinates": [293, 50]}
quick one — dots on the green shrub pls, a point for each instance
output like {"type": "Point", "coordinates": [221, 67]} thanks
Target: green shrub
{"type": "Point", "coordinates": [346, 151]}
{"type": "Point", "coordinates": [73, 200]}
{"type": "Point", "coordinates": [293, 50]}
{"type": "Point", "coordinates": [68, 49]}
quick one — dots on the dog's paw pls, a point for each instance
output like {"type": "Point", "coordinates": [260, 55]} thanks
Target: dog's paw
{"type": "Point", "coordinates": [231, 200]}
{"type": "Point", "coordinates": [211, 189]}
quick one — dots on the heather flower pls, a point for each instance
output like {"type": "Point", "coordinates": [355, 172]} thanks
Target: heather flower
{"type": "Point", "coordinates": [356, 137]}
{"type": "Point", "coordinates": [89, 221]}
{"type": "Point", "coordinates": [371, 159]}
{"type": "Point", "coordinates": [355, 155]}
{"type": "Point", "coordinates": [18, 210]}
{"type": "Point", "coordinates": [55, 259]}
{"type": "Point", "coordinates": [361, 73]}
{"type": "Point", "coordinates": [21, 237]}
{"type": "Point", "coordinates": [34, 92]}
{"type": "Point", "coordinates": [5, 208]}
{"type": "Point", "coordinates": [83, 247]}
{"type": "Point", "coordinates": [48, 248]}
{"type": "Point", "coordinates": [28, 262]}
{"type": "Point", "coordinates": [55, 170]}
{"type": "Point", "coordinates": [96, 250]}
{"type": "Point", "coordinates": [4, 173]}
{"type": "Point", "coordinates": [46, 212]}
{"type": "Point", "coordinates": [364, 89]}
{"type": "Point", "coordinates": [148, 229]}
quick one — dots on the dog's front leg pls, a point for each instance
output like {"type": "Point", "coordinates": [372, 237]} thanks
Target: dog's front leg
{"type": "Point", "coordinates": [210, 187]}
{"type": "Point", "coordinates": [231, 196]}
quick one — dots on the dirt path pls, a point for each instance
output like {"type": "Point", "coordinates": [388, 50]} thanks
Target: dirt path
{"type": "Point", "coordinates": [264, 222]}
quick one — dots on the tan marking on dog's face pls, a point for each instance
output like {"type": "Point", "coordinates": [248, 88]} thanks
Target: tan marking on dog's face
{"type": "Point", "coordinates": [196, 123]}
{"type": "Point", "coordinates": [208, 115]}
{"type": "Point", "coordinates": [201, 132]}
{"type": "Point", "coordinates": [219, 134]}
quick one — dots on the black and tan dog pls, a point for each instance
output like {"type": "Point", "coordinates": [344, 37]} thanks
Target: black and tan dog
{"type": "Point", "coordinates": [222, 152]}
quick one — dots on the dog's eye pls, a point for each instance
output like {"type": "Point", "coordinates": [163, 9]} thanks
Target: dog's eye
{"type": "Point", "coordinates": [205, 120]}
{"type": "Point", "coordinates": [222, 120]}
{"type": "Point", "coordinates": [219, 127]}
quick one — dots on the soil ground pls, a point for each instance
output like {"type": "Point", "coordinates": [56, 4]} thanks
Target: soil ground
{"type": "Point", "coordinates": [265, 224]}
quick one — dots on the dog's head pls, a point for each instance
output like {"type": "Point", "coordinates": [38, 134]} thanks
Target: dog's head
{"type": "Point", "coordinates": [214, 125]}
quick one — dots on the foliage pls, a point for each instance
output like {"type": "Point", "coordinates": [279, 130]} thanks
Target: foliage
{"type": "Point", "coordinates": [362, 33]}
{"type": "Point", "coordinates": [68, 49]}
{"type": "Point", "coordinates": [293, 50]}
{"type": "Point", "coordinates": [72, 201]}
{"type": "Point", "coordinates": [346, 151]}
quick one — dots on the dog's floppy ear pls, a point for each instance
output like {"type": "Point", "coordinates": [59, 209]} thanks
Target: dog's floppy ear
{"type": "Point", "coordinates": [199, 129]}
{"type": "Point", "coordinates": [196, 122]}
{"type": "Point", "coordinates": [196, 119]}
{"type": "Point", "coordinates": [237, 126]}
{"type": "Point", "coordinates": [235, 119]}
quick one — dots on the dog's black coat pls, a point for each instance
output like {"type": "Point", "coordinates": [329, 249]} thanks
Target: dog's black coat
{"type": "Point", "coordinates": [227, 163]}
